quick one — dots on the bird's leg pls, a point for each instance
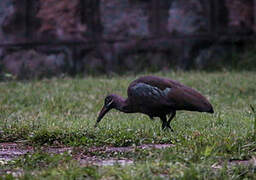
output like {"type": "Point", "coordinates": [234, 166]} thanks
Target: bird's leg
{"type": "Point", "coordinates": [164, 121]}
{"type": "Point", "coordinates": [170, 119]}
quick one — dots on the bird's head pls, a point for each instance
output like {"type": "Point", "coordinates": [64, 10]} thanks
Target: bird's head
{"type": "Point", "coordinates": [111, 101]}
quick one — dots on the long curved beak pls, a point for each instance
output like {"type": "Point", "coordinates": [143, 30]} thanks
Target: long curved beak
{"type": "Point", "coordinates": [102, 113]}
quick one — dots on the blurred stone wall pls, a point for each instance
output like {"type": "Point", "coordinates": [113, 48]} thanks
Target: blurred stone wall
{"type": "Point", "coordinates": [49, 37]}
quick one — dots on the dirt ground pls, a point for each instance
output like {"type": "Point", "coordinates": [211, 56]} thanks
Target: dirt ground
{"type": "Point", "coordinates": [10, 151]}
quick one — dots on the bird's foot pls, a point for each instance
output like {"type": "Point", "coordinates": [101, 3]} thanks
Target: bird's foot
{"type": "Point", "coordinates": [166, 127]}
{"type": "Point", "coordinates": [170, 127]}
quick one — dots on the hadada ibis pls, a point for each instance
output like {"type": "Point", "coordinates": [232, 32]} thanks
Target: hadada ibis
{"type": "Point", "coordinates": [157, 97]}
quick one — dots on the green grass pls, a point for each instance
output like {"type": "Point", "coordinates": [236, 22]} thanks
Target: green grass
{"type": "Point", "coordinates": [63, 111]}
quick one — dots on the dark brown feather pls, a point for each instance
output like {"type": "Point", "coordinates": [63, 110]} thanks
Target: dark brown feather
{"type": "Point", "coordinates": [161, 83]}
{"type": "Point", "coordinates": [157, 97]}
{"type": "Point", "coordinates": [180, 97]}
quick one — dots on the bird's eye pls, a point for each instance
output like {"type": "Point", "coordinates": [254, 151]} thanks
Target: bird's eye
{"type": "Point", "coordinates": [107, 100]}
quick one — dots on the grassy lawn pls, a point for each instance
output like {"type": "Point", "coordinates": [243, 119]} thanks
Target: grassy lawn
{"type": "Point", "coordinates": [62, 112]}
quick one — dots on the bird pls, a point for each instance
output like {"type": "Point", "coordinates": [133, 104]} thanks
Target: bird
{"type": "Point", "coordinates": [156, 97]}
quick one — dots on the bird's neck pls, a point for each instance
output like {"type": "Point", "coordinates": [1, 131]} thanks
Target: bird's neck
{"type": "Point", "coordinates": [123, 105]}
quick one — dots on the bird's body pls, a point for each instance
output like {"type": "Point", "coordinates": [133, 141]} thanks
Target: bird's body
{"type": "Point", "coordinates": [157, 97]}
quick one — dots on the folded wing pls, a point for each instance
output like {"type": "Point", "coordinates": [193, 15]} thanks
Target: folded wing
{"type": "Point", "coordinates": [153, 91]}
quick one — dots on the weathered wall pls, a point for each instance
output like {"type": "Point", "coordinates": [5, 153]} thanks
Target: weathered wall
{"type": "Point", "coordinates": [60, 20]}
{"type": "Point", "coordinates": [114, 35]}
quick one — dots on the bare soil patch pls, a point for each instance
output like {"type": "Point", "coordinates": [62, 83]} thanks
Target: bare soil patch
{"type": "Point", "coordinates": [85, 158]}
{"type": "Point", "coordinates": [233, 162]}
{"type": "Point", "coordinates": [108, 149]}
{"type": "Point", "coordinates": [11, 151]}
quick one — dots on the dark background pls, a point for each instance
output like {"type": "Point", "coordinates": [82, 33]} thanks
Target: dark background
{"type": "Point", "coordinates": [43, 38]}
